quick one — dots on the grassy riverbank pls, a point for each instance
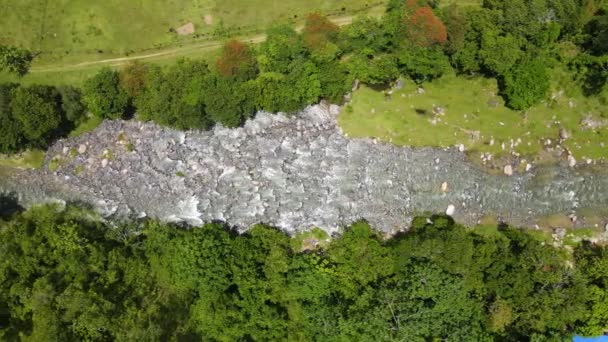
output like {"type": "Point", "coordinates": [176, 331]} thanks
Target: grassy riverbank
{"type": "Point", "coordinates": [456, 110]}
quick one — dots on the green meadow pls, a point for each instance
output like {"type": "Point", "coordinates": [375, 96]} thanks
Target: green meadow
{"type": "Point", "coordinates": [475, 115]}
{"type": "Point", "coordinates": [68, 30]}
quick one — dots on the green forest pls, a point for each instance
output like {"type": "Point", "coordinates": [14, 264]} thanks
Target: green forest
{"type": "Point", "coordinates": [67, 276]}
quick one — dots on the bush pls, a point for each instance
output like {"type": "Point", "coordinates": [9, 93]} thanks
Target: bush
{"type": "Point", "coordinates": [526, 84]}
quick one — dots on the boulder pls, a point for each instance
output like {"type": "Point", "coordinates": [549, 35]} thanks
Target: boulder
{"type": "Point", "coordinates": [571, 161]}
{"type": "Point", "coordinates": [451, 210]}
{"type": "Point", "coordinates": [82, 148]}
{"type": "Point", "coordinates": [564, 134]}
{"type": "Point", "coordinates": [508, 170]}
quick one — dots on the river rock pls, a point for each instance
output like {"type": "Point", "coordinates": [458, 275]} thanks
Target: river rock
{"type": "Point", "coordinates": [451, 210]}
{"type": "Point", "coordinates": [266, 172]}
{"type": "Point", "coordinates": [571, 161]}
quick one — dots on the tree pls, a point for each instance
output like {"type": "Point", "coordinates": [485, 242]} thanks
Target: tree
{"type": "Point", "coordinates": [499, 53]}
{"type": "Point", "coordinates": [526, 84]}
{"type": "Point", "coordinates": [38, 109]}
{"type": "Point", "coordinates": [283, 46]}
{"type": "Point", "coordinates": [237, 60]}
{"type": "Point", "coordinates": [424, 28]}
{"type": "Point", "coordinates": [276, 92]}
{"type": "Point", "coordinates": [133, 77]}
{"type": "Point", "coordinates": [174, 97]}
{"type": "Point", "coordinates": [335, 81]}
{"type": "Point", "coordinates": [319, 31]}
{"type": "Point", "coordinates": [15, 60]}
{"type": "Point", "coordinates": [598, 35]}
{"type": "Point", "coordinates": [104, 96]}
{"type": "Point", "coordinates": [11, 131]}
{"type": "Point", "coordinates": [378, 70]}
{"type": "Point", "coordinates": [71, 104]}
{"type": "Point", "coordinates": [366, 36]}
{"type": "Point", "coordinates": [228, 101]}
{"type": "Point", "coordinates": [424, 64]}
{"type": "Point", "coordinates": [457, 27]}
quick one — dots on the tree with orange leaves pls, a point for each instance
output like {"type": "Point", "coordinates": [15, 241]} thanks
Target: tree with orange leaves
{"type": "Point", "coordinates": [237, 60]}
{"type": "Point", "coordinates": [318, 31]}
{"type": "Point", "coordinates": [423, 27]}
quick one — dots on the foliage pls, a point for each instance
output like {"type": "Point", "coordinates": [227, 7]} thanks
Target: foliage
{"type": "Point", "coordinates": [423, 27]}
{"type": "Point", "coordinates": [237, 60]}
{"type": "Point", "coordinates": [66, 276]}
{"type": "Point", "coordinates": [175, 97]}
{"type": "Point", "coordinates": [526, 84]}
{"type": "Point", "coordinates": [104, 96]}
{"type": "Point", "coordinates": [133, 77]}
{"type": "Point", "coordinates": [424, 64]}
{"type": "Point", "coordinates": [11, 132]}
{"type": "Point", "coordinates": [319, 31]}
{"type": "Point", "coordinates": [228, 101]}
{"type": "Point", "coordinates": [15, 60]}
{"type": "Point", "coordinates": [39, 113]}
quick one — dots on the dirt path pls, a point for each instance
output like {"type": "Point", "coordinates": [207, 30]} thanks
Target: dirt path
{"type": "Point", "coordinates": [208, 45]}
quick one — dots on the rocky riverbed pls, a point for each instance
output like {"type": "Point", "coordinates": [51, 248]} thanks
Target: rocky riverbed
{"type": "Point", "coordinates": [295, 173]}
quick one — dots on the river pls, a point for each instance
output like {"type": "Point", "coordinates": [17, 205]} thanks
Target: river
{"type": "Point", "coordinates": [294, 173]}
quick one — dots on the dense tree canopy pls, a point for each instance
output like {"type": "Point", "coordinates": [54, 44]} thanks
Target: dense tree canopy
{"type": "Point", "coordinates": [66, 276]}
{"type": "Point", "coordinates": [104, 96]}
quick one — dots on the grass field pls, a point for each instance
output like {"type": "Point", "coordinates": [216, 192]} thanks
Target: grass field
{"type": "Point", "coordinates": [67, 30]}
{"type": "Point", "coordinates": [31, 159]}
{"type": "Point", "coordinates": [471, 106]}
